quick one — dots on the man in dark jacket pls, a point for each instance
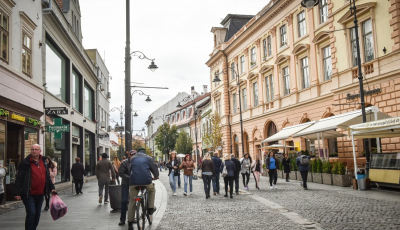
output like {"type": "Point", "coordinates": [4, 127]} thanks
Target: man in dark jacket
{"type": "Point", "coordinates": [31, 183]}
{"type": "Point", "coordinates": [103, 169]}
{"type": "Point", "coordinates": [303, 168]}
{"type": "Point", "coordinates": [142, 166]}
{"type": "Point", "coordinates": [78, 173]}
{"type": "Point", "coordinates": [238, 167]}
{"type": "Point", "coordinates": [215, 180]}
{"type": "Point", "coordinates": [125, 173]}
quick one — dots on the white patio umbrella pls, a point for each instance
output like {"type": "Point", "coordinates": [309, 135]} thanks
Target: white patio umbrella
{"type": "Point", "coordinates": [181, 155]}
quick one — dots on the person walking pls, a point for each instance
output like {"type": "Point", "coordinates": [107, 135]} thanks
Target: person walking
{"type": "Point", "coordinates": [303, 162]}
{"type": "Point", "coordinates": [187, 166]}
{"type": "Point", "coordinates": [236, 176]}
{"type": "Point", "coordinates": [245, 171]}
{"type": "Point", "coordinates": [3, 172]}
{"type": "Point", "coordinates": [125, 173]}
{"type": "Point", "coordinates": [215, 180]}
{"type": "Point", "coordinates": [272, 169]}
{"type": "Point", "coordinates": [78, 175]}
{"type": "Point", "coordinates": [286, 166]}
{"type": "Point", "coordinates": [173, 166]}
{"type": "Point", "coordinates": [31, 183]}
{"type": "Point", "coordinates": [208, 172]}
{"type": "Point", "coordinates": [257, 170]}
{"type": "Point", "coordinates": [52, 166]}
{"type": "Point", "coordinates": [103, 169]}
{"type": "Point", "coordinates": [116, 164]}
{"type": "Point", "coordinates": [161, 166]}
{"type": "Point", "coordinates": [228, 179]}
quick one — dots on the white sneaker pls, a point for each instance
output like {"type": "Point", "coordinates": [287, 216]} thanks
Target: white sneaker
{"type": "Point", "coordinates": [275, 186]}
{"type": "Point", "coordinates": [174, 193]}
{"type": "Point", "coordinates": [271, 187]}
{"type": "Point", "coordinates": [191, 193]}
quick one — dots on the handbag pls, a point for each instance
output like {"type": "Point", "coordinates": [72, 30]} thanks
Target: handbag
{"type": "Point", "coordinates": [200, 173]}
{"type": "Point", "coordinates": [224, 171]}
{"type": "Point", "coordinates": [58, 208]}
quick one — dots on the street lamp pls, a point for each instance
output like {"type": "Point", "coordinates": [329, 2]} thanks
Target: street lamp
{"type": "Point", "coordinates": [192, 98]}
{"type": "Point", "coordinates": [309, 5]}
{"type": "Point", "coordinates": [119, 128]}
{"type": "Point", "coordinates": [216, 79]}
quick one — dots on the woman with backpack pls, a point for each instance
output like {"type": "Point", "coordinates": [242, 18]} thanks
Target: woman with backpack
{"type": "Point", "coordinates": [208, 172]}
{"type": "Point", "coordinates": [257, 170]}
{"type": "Point", "coordinates": [272, 166]}
{"type": "Point", "coordinates": [286, 166]}
{"type": "Point", "coordinates": [246, 163]}
{"type": "Point", "coordinates": [303, 162]}
{"type": "Point", "coordinates": [228, 174]}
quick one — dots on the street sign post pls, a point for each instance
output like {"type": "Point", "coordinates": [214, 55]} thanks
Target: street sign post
{"type": "Point", "coordinates": [58, 128]}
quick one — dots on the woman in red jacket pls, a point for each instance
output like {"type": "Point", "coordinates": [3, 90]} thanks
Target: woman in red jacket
{"type": "Point", "coordinates": [187, 166]}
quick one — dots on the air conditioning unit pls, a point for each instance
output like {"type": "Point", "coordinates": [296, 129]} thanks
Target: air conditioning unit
{"type": "Point", "coordinates": [109, 128]}
{"type": "Point", "coordinates": [103, 124]}
{"type": "Point", "coordinates": [101, 87]}
{"type": "Point", "coordinates": [108, 95]}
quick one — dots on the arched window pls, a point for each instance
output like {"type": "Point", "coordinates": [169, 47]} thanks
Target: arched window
{"type": "Point", "coordinates": [271, 130]}
{"type": "Point", "coordinates": [236, 146]}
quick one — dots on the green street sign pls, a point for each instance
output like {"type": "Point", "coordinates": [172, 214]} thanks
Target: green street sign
{"type": "Point", "coordinates": [58, 128]}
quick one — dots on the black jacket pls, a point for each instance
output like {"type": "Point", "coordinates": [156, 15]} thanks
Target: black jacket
{"type": "Point", "coordinates": [78, 171]}
{"type": "Point", "coordinates": [22, 184]}
{"type": "Point", "coordinates": [230, 167]}
{"type": "Point", "coordinates": [238, 166]}
{"type": "Point", "coordinates": [208, 166]}
{"type": "Point", "coordinates": [170, 167]}
{"type": "Point", "coordinates": [125, 171]}
{"type": "Point", "coordinates": [286, 165]}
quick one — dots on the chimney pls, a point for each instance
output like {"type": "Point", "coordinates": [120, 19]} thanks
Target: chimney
{"type": "Point", "coordinates": [192, 90]}
{"type": "Point", "coordinates": [204, 89]}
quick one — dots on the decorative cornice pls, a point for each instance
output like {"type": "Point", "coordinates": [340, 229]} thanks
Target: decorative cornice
{"type": "Point", "coordinates": [273, 31]}
{"type": "Point", "coordinates": [232, 88]}
{"type": "Point", "coordinates": [216, 94]}
{"type": "Point", "coordinates": [323, 35]}
{"type": "Point", "coordinates": [251, 76]}
{"type": "Point", "coordinates": [360, 9]}
{"type": "Point", "coordinates": [266, 68]}
{"type": "Point", "coordinates": [27, 20]}
{"type": "Point", "coordinates": [282, 58]}
{"type": "Point", "coordinates": [300, 48]}
{"type": "Point", "coordinates": [7, 5]}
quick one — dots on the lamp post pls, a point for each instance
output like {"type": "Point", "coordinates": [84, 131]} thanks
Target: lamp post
{"type": "Point", "coordinates": [119, 128]}
{"type": "Point", "coordinates": [216, 79]}
{"type": "Point", "coordinates": [121, 117]}
{"type": "Point", "coordinates": [192, 98]}
{"type": "Point", "coordinates": [310, 4]}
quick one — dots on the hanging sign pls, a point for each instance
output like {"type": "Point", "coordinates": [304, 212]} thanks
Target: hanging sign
{"type": "Point", "coordinates": [58, 128]}
{"type": "Point", "coordinates": [57, 111]}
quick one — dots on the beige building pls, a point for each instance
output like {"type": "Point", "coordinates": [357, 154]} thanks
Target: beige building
{"type": "Point", "coordinates": [298, 65]}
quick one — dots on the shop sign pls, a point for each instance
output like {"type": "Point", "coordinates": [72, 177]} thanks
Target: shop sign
{"type": "Point", "coordinates": [58, 128]}
{"type": "Point", "coordinates": [76, 140]}
{"type": "Point", "coordinates": [366, 93]}
{"type": "Point", "coordinates": [18, 117]}
{"type": "Point", "coordinates": [4, 112]}
{"type": "Point", "coordinates": [57, 111]}
{"type": "Point", "coordinates": [34, 122]}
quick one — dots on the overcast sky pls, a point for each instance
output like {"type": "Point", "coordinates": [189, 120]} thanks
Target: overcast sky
{"type": "Point", "coordinates": [174, 32]}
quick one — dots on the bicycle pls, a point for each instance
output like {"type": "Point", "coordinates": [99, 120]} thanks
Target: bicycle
{"type": "Point", "coordinates": [142, 204]}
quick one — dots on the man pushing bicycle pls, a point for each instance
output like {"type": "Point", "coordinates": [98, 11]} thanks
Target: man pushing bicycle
{"type": "Point", "coordinates": [142, 166]}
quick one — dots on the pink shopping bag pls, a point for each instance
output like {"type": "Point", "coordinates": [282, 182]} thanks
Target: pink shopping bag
{"type": "Point", "coordinates": [58, 208]}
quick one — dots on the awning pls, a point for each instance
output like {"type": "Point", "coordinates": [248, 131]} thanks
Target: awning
{"type": "Point", "coordinates": [389, 127]}
{"type": "Point", "coordinates": [277, 146]}
{"type": "Point", "coordinates": [285, 133]}
{"type": "Point", "coordinates": [329, 125]}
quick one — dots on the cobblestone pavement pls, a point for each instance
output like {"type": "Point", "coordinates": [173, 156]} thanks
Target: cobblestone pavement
{"type": "Point", "coordinates": [329, 209]}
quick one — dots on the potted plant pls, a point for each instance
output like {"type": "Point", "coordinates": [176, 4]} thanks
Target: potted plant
{"type": "Point", "coordinates": [327, 173]}
{"type": "Point", "coordinates": [317, 171]}
{"type": "Point", "coordinates": [293, 167]}
{"type": "Point", "coordinates": [339, 177]}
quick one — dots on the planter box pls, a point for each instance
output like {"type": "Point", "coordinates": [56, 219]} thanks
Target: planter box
{"type": "Point", "coordinates": [327, 178]}
{"type": "Point", "coordinates": [309, 177]}
{"type": "Point", "coordinates": [317, 178]}
{"type": "Point", "coordinates": [341, 180]}
{"type": "Point", "coordinates": [298, 174]}
{"type": "Point", "coordinates": [292, 175]}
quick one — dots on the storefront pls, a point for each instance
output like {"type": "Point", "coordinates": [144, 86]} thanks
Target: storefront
{"type": "Point", "coordinates": [19, 130]}
{"type": "Point", "coordinates": [90, 156]}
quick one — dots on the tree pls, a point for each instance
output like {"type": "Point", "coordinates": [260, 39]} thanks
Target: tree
{"type": "Point", "coordinates": [213, 135]}
{"type": "Point", "coordinates": [113, 154]}
{"type": "Point", "coordinates": [137, 144]}
{"type": "Point", "coordinates": [184, 143]}
{"type": "Point", "coordinates": [166, 135]}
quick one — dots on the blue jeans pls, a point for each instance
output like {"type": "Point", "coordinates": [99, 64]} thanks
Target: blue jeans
{"type": "Point", "coordinates": [124, 201]}
{"type": "Point", "coordinates": [172, 181]}
{"type": "Point", "coordinates": [186, 179]}
{"type": "Point", "coordinates": [33, 207]}
{"type": "Point", "coordinates": [207, 182]}
{"type": "Point", "coordinates": [215, 182]}
{"type": "Point", "coordinates": [160, 168]}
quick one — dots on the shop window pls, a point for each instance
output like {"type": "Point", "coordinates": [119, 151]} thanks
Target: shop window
{"type": "Point", "coordinates": [90, 159]}
{"type": "Point", "coordinates": [4, 36]}
{"type": "Point", "coordinates": [56, 77]}
{"type": "Point", "coordinates": [2, 143]}
{"type": "Point", "coordinates": [76, 91]}
{"type": "Point", "coordinates": [26, 54]}
{"type": "Point", "coordinates": [89, 113]}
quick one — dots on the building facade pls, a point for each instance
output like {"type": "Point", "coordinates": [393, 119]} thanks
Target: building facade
{"type": "Point", "coordinates": [297, 65]}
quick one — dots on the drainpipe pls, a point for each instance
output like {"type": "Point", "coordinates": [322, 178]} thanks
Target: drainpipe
{"type": "Point", "coordinates": [229, 102]}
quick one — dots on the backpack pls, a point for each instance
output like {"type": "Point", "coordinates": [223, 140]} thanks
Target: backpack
{"type": "Point", "coordinates": [304, 160]}
{"type": "Point", "coordinates": [224, 171]}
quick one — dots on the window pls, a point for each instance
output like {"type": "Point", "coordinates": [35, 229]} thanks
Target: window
{"type": "Point", "coordinates": [267, 88]}
{"type": "Point", "coordinates": [89, 102]}
{"type": "Point", "coordinates": [265, 48]}
{"type": "Point", "coordinates": [271, 83]}
{"type": "Point", "coordinates": [304, 73]}
{"type": "Point", "coordinates": [26, 54]}
{"type": "Point", "coordinates": [253, 56]}
{"type": "Point", "coordinates": [301, 19]}
{"type": "Point", "coordinates": [233, 71]}
{"type": "Point", "coordinates": [56, 79]}
{"type": "Point", "coordinates": [286, 83]}
{"type": "Point", "coordinates": [269, 46]}
{"type": "Point", "coordinates": [283, 36]}
{"type": "Point", "coordinates": [242, 64]}
{"type": "Point", "coordinates": [218, 106]}
{"type": "Point", "coordinates": [244, 98]}
{"type": "Point", "coordinates": [327, 62]}
{"type": "Point", "coordinates": [368, 40]}
{"type": "Point", "coordinates": [255, 92]}
{"type": "Point", "coordinates": [323, 11]}
{"type": "Point", "coordinates": [234, 103]}
{"type": "Point", "coordinates": [3, 36]}
{"type": "Point", "coordinates": [76, 91]}
{"type": "Point", "coordinates": [353, 47]}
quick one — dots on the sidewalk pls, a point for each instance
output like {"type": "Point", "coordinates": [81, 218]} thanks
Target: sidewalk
{"type": "Point", "coordinates": [84, 212]}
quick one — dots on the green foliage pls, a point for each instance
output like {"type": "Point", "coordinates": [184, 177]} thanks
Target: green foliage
{"type": "Point", "coordinates": [213, 138]}
{"type": "Point", "coordinates": [280, 165]}
{"type": "Point", "coordinates": [335, 168]}
{"type": "Point", "coordinates": [305, 152]}
{"type": "Point", "coordinates": [264, 166]}
{"type": "Point", "coordinates": [319, 166]}
{"type": "Point", "coordinates": [341, 168]}
{"type": "Point", "coordinates": [184, 143]}
{"type": "Point", "coordinates": [166, 134]}
{"type": "Point", "coordinates": [326, 167]}
{"type": "Point", "coordinates": [293, 164]}
{"type": "Point", "coordinates": [314, 166]}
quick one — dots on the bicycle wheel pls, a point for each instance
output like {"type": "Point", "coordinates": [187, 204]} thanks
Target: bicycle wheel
{"type": "Point", "coordinates": [140, 215]}
{"type": "Point", "coordinates": [149, 217]}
